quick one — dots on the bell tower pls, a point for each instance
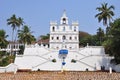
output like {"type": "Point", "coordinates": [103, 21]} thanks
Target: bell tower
{"type": "Point", "coordinates": [64, 18]}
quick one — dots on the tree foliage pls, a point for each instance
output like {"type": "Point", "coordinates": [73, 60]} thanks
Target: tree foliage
{"type": "Point", "coordinates": [105, 13]}
{"type": "Point", "coordinates": [83, 34]}
{"type": "Point", "coordinates": [100, 35]}
{"type": "Point", "coordinates": [112, 44]}
{"type": "Point", "coordinates": [3, 41]}
{"type": "Point", "coordinates": [85, 40]}
{"type": "Point", "coordinates": [15, 23]}
{"type": "Point", "coordinates": [7, 60]}
{"type": "Point", "coordinates": [93, 40]}
{"type": "Point", "coordinates": [44, 37]}
{"type": "Point", "coordinates": [25, 35]}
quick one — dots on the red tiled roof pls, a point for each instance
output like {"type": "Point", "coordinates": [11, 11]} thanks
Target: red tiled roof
{"type": "Point", "coordinates": [12, 42]}
{"type": "Point", "coordinates": [46, 41]}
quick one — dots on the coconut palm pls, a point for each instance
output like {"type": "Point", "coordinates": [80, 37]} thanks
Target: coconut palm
{"type": "Point", "coordinates": [13, 21]}
{"type": "Point", "coordinates": [3, 41]}
{"type": "Point", "coordinates": [25, 35]}
{"type": "Point", "coordinates": [105, 13]}
{"type": "Point", "coordinates": [21, 22]}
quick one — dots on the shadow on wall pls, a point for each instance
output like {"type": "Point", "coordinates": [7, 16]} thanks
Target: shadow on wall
{"type": "Point", "coordinates": [104, 63]}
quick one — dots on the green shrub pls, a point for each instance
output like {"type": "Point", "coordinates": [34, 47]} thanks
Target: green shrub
{"type": "Point", "coordinates": [73, 61]}
{"type": "Point", "coordinates": [54, 60]}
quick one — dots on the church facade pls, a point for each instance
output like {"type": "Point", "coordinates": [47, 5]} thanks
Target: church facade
{"type": "Point", "coordinates": [63, 52]}
{"type": "Point", "coordinates": [64, 35]}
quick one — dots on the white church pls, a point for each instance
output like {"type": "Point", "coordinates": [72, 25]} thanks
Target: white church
{"type": "Point", "coordinates": [63, 52]}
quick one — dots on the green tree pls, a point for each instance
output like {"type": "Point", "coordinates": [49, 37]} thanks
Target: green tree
{"type": "Point", "coordinates": [7, 60]}
{"type": "Point", "coordinates": [21, 51]}
{"type": "Point", "coordinates": [13, 22]}
{"type": "Point", "coordinates": [83, 34]}
{"type": "Point", "coordinates": [105, 13]}
{"type": "Point", "coordinates": [44, 37]}
{"type": "Point", "coordinates": [3, 41]}
{"type": "Point", "coordinates": [115, 34]}
{"type": "Point", "coordinates": [100, 35]}
{"type": "Point", "coordinates": [21, 22]}
{"type": "Point", "coordinates": [91, 40]}
{"type": "Point", "coordinates": [112, 44]}
{"type": "Point", "coordinates": [25, 35]}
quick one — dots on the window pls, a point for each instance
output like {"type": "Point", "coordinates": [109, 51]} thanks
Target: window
{"type": "Point", "coordinates": [75, 38]}
{"type": "Point", "coordinates": [64, 28]}
{"type": "Point", "coordinates": [70, 38]}
{"type": "Point", "coordinates": [64, 20]}
{"type": "Point", "coordinates": [53, 28]}
{"type": "Point", "coordinates": [64, 37]}
{"type": "Point", "coordinates": [52, 38]}
{"type": "Point", "coordinates": [65, 46]}
{"type": "Point", "coordinates": [57, 47]}
{"type": "Point", "coordinates": [57, 38]}
{"type": "Point", "coordinates": [74, 28]}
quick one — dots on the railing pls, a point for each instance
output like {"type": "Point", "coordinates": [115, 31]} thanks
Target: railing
{"type": "Point", "coordinates": [8, 49]}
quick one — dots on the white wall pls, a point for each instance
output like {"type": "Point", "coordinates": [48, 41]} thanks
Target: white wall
{"type": "Point", "coordinates": [41, 58]}
{"type": "Point", "coordinates": [10, 68]}
{"type": "Point", "coordinates": [116, 67]}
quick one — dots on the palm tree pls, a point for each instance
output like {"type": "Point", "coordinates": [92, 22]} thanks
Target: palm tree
{"type": "Point", "coordinates": [13, 21]}
{"type": "Point", "coordinates": [25, 35]}
{"type": "Point", "coordinates": [100, 34]}
{"type": "Point", "coordinates": [105, 14]}
{"type": "Point", "coordinates": [3, 41]}
{"type": "Point", "coordinates": [21, 22]}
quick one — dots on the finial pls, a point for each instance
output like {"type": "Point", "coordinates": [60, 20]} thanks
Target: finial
{"type": "Point", "coordinates": [64, 10]}
{"type": "Point", "coordinates": [64, 13]}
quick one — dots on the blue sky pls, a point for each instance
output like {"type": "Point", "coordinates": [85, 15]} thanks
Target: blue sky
{"type": "Point", "coordinates": [38, 13]}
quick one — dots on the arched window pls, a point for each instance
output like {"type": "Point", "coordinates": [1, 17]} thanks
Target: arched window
{"type": "Point", "coordinates": [64, 20]}
{"type": "Point", "coordinates": [75, 38]}
{"type": "Point", "coordinates": [64, 37]}
{"type": "Point", "coordinates": [74, 28]}
{"type": "Point", "coordinates": [57, 38]}
{"type": "Point", "coordinates": [70, 38]}
{"type": "Point", "coordinates": [52, 38]}
{"type": "Point", "coordinates": [53, 28]}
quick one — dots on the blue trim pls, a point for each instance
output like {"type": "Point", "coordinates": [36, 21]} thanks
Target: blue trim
{"type": "Point", "coordinates": [63, 51]}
